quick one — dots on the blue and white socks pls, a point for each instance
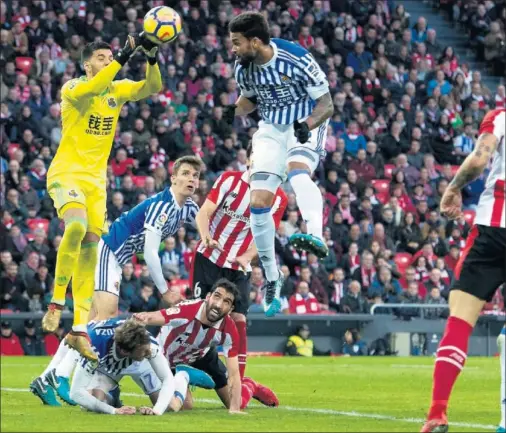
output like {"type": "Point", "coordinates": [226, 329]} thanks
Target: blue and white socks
{"type": "Point", "coordinates": [501, 344]}
{"type": "Point", "coordinates": [309, 200]}
{"type": "Point", "coordinates": [264, 230]}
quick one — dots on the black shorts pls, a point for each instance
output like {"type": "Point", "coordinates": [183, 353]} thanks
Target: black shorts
{"type": "Point", "coordinates": [213, 366]}
{"type": "Point", "coordinates": [481, 268]}
{"type": "Point", "coordinates": [205, 273]}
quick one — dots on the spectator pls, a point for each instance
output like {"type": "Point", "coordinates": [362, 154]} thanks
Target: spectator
{"type": "Point", "coordinates": [353, 344]}
{"type": "Point", "coordinates": [385, 286]}
{"type": "Point", "coordinates": [365, 274]}
{"type": "Point", "coordinates": [301, 344]}
{"type": "Point", "coordinates": [9, 343]}
{"type": "Point", "coordinates": [170, 256]}
{"type": "Point", "coordinates": [337, 288]}
{"type": "Point", "coordinates": [359, 59]}
{"type": "Point", "coordinates": [410, 296]}
{"type": "Point", "coordinates": [144, 300]}
{"type": "Point", "coordinates": [434, 298]}
{"type": "Point", "coordinates": [129, 286]}
{"type": "Point", "coordinates": [303, 301]}
{"type": "Point", "coordinates": [32, 344]}
{"type": "Point", "coordinates": [410, 276]}
{"type": "Point", "coordinates": [116, 207]}
{"type": "Point", "coordinates": [435, 280]}
{"type": "Point", "coordinates": [12, 289]}
{"type": "Point", "coordinates": [38, 245]}
{"type": "Point", "coordinates": [28, 267]}
{"type": "Point", "coordinates": [354, 302]}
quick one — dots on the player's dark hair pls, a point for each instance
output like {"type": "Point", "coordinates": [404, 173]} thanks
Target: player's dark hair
{"type": "Point", "coordinates": [251, 25]}
{"type": "Point", "coordinates": [228, 286]}
{"type": "Point", "coordinates": [191, 160]}
{"type": "Point", "coordinates": [131, 335]}
{"type": "Point", "coordinates": [90, 48]}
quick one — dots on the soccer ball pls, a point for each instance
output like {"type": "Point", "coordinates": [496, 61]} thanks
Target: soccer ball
{"type": "Point", "coordinates": [162, 24]}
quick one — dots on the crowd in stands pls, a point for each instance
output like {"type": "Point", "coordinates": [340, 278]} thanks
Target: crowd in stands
{"type": "Point", "coordinates": [407, 112]}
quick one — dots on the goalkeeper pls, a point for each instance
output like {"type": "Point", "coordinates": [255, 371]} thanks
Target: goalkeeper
{"type": "Point", "coordinates": [76, 179]}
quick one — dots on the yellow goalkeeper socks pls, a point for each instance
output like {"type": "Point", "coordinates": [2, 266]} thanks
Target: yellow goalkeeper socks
{"type": "Point", "coordinates": [66, 258]}
{"type": "Point", "coordinates": [83, 285]}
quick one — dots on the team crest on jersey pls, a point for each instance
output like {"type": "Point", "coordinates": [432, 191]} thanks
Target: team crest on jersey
{"type": "Point", "coordinates": [73, 193]}
{"type": "Point", "coordinates": [285, 78]}
{"type": "Point", "coordinates": [173, 310]}
{"type": "Point", "coordinates": [112, 102]}
{"type": "Point", "coordinates": [73, 84]}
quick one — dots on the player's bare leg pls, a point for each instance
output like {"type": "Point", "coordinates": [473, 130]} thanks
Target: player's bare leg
{"type": "Point", "coordinates": [104, 306]}
{"type": "Point", "coordinates": [501, 345]}
{"type": "Point", "coordinates": [264, 230]}
{"type": "Point", "coordinates": [451, 355]}
{"type": "Point", "coordinates": [310, 202]}
{"type": "Point", "coordinates": [75, 220]}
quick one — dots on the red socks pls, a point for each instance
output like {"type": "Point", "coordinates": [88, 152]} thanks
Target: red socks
{"type": "Point", "coordinates": [450, 360]}
{"type": "Point", "coordinates": [247, 391]}
{"type": "Point", "coordinates": [243, 346]}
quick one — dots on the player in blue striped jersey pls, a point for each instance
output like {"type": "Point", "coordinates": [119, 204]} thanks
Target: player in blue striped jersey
{"type": "Point", "coordinates": [126, 348]}
{"type": "Point", "coordinates": [141, 230]}
{"type": "Point", "coordinates": [286, 85]}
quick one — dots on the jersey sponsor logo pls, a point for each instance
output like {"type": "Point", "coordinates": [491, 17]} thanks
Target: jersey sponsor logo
{"type": "Point", "coordinates": [231, 213]}
{"type": "Point", "coordinates": [98, 125]}
{"type": "Point", "coordinates": [173, 310]}
{"type": "Point", "coordinates": [112, 102]}
{"type": "Point", "coordinates": [160, 221]}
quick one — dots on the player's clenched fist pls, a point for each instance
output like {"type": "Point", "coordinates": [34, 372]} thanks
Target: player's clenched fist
{"type": "Point", "coordinates": [301, 131]}
{"type": "Point", "coordinates": [211, 243]}
{"type": "Point", "coordinates": [141, 317]}
{"type": "Point", "coordinates": [126, 410]}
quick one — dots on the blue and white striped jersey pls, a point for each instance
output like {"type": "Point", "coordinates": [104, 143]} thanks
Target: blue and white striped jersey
{"type": "Point", "coordinates": [102, 339]}
{"type": "Point", "coordinates": [159, 213]}
{"type": "Point", "coordinates": [286, 86]}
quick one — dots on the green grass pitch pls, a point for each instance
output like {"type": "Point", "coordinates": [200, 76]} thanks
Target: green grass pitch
{"type": "Point", "coordinates": [318, 394]}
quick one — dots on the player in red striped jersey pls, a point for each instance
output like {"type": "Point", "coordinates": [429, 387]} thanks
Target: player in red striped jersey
{"type": "Point", "coordinates": [189, 333]}
{"type": "Point", "coordinates": [226, 250]}
{"type": "Point", "coordinates": [481, 269]}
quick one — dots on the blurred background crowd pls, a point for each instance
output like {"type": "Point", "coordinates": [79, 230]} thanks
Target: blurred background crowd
{"type": "Point", "coordinates": [407, 112]}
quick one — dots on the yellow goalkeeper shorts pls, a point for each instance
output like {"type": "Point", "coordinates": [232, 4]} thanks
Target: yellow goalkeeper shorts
{"type": "Point", "coordinates": [68, 192]}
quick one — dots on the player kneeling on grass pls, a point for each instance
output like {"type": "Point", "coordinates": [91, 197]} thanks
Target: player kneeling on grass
{"type": "Point", "coordinates": [192, 329]}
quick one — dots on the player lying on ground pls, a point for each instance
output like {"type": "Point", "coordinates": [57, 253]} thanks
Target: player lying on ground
{"type": "Point", "coordinates": [191, 330]}
{"type": "Point", "coordinates": [481, 268]}
{"type": "Point", "coordinates": [141, 229]}
{"type": "Point", "coordinates": [126, 348]}
{"type": "Point", "coordinates": [226, 249]}
{"type": "Point", "coordinates": [76, 179]}
{"type": "Point", "coordinates": [283, 81]}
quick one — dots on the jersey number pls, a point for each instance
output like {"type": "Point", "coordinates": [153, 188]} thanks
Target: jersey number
{"type": "Point", "coordinates": [197, 291]}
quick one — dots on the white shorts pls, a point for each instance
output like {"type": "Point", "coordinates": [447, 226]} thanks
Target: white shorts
{"type": "Point", "coordinates": [141, 372]}
{"type": "Point", "coordinates": [108, 272]}
{"type": "Point", "coordinates": [274, 146]}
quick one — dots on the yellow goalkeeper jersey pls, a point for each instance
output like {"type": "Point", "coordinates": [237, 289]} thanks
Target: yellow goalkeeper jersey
{"type": "Point", "coordinates": [90, 111]}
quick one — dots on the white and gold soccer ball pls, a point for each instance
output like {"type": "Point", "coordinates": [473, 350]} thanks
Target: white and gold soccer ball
{"type": "Point", "coordinates": [162, 25]}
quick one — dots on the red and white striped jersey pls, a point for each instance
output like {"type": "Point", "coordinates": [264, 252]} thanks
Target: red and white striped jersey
{"type": "Point", "coordinates": [185, 339]}
{"type": "Point", "coordinates": [229, 224]}
{"type": "Point", "coordinates": [490, 210]}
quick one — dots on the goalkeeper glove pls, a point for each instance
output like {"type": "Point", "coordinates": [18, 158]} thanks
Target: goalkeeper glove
{"type": "Point", "coordinates": [149, 48]}
{"type": "Point", "coordinates": [301, 131]}
{"type": "Point", "coordinates": [132, 44]}
{"type": "Point", "coordinates": [229, 113]}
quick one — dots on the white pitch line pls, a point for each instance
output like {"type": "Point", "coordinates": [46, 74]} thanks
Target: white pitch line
{"type": "Point", "coordinates": [352, 414]}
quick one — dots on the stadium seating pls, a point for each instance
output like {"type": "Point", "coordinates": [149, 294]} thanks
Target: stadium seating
{"type": "Point", "coordinates": [24, 64]}
{"type": "Point", "coordinates": [139, 181]}
{"type": "Point", "coordinates": [38, 223]}
{"type": "Point", "coordinates": [389, 170]}
{"type": "Point", "coordinates": [402, 260]}
{"type": "Point", "coordinates": [469, 215]}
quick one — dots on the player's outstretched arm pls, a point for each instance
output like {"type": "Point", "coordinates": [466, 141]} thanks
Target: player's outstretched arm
{"type": "Point", "coordinates": [323, 110]}
{"type": "Point", "coordinates": [77, 90]}
{"type": "Point", "coordinates": [202, 221]}
{"type": "Point", "coordinates": [152, 242]}
{"type": "Point", "coordinates": [155, 318]}
{"type": "Point", "coordinates": [476, 162]}
{"type": "Point", "coordinates": [472, 167]}
{"type": "Point", "coordinates": [161, 368]}
{"type": "Point", "coordinates": [234, 382]}
{"type": "Point", "coordinates": [80, 394]}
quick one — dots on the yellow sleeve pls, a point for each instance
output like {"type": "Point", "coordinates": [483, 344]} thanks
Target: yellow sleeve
{"type": "Point", "coordinates": [128, 90]}
{"type": "Point", "coordinates": [76, 90]}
